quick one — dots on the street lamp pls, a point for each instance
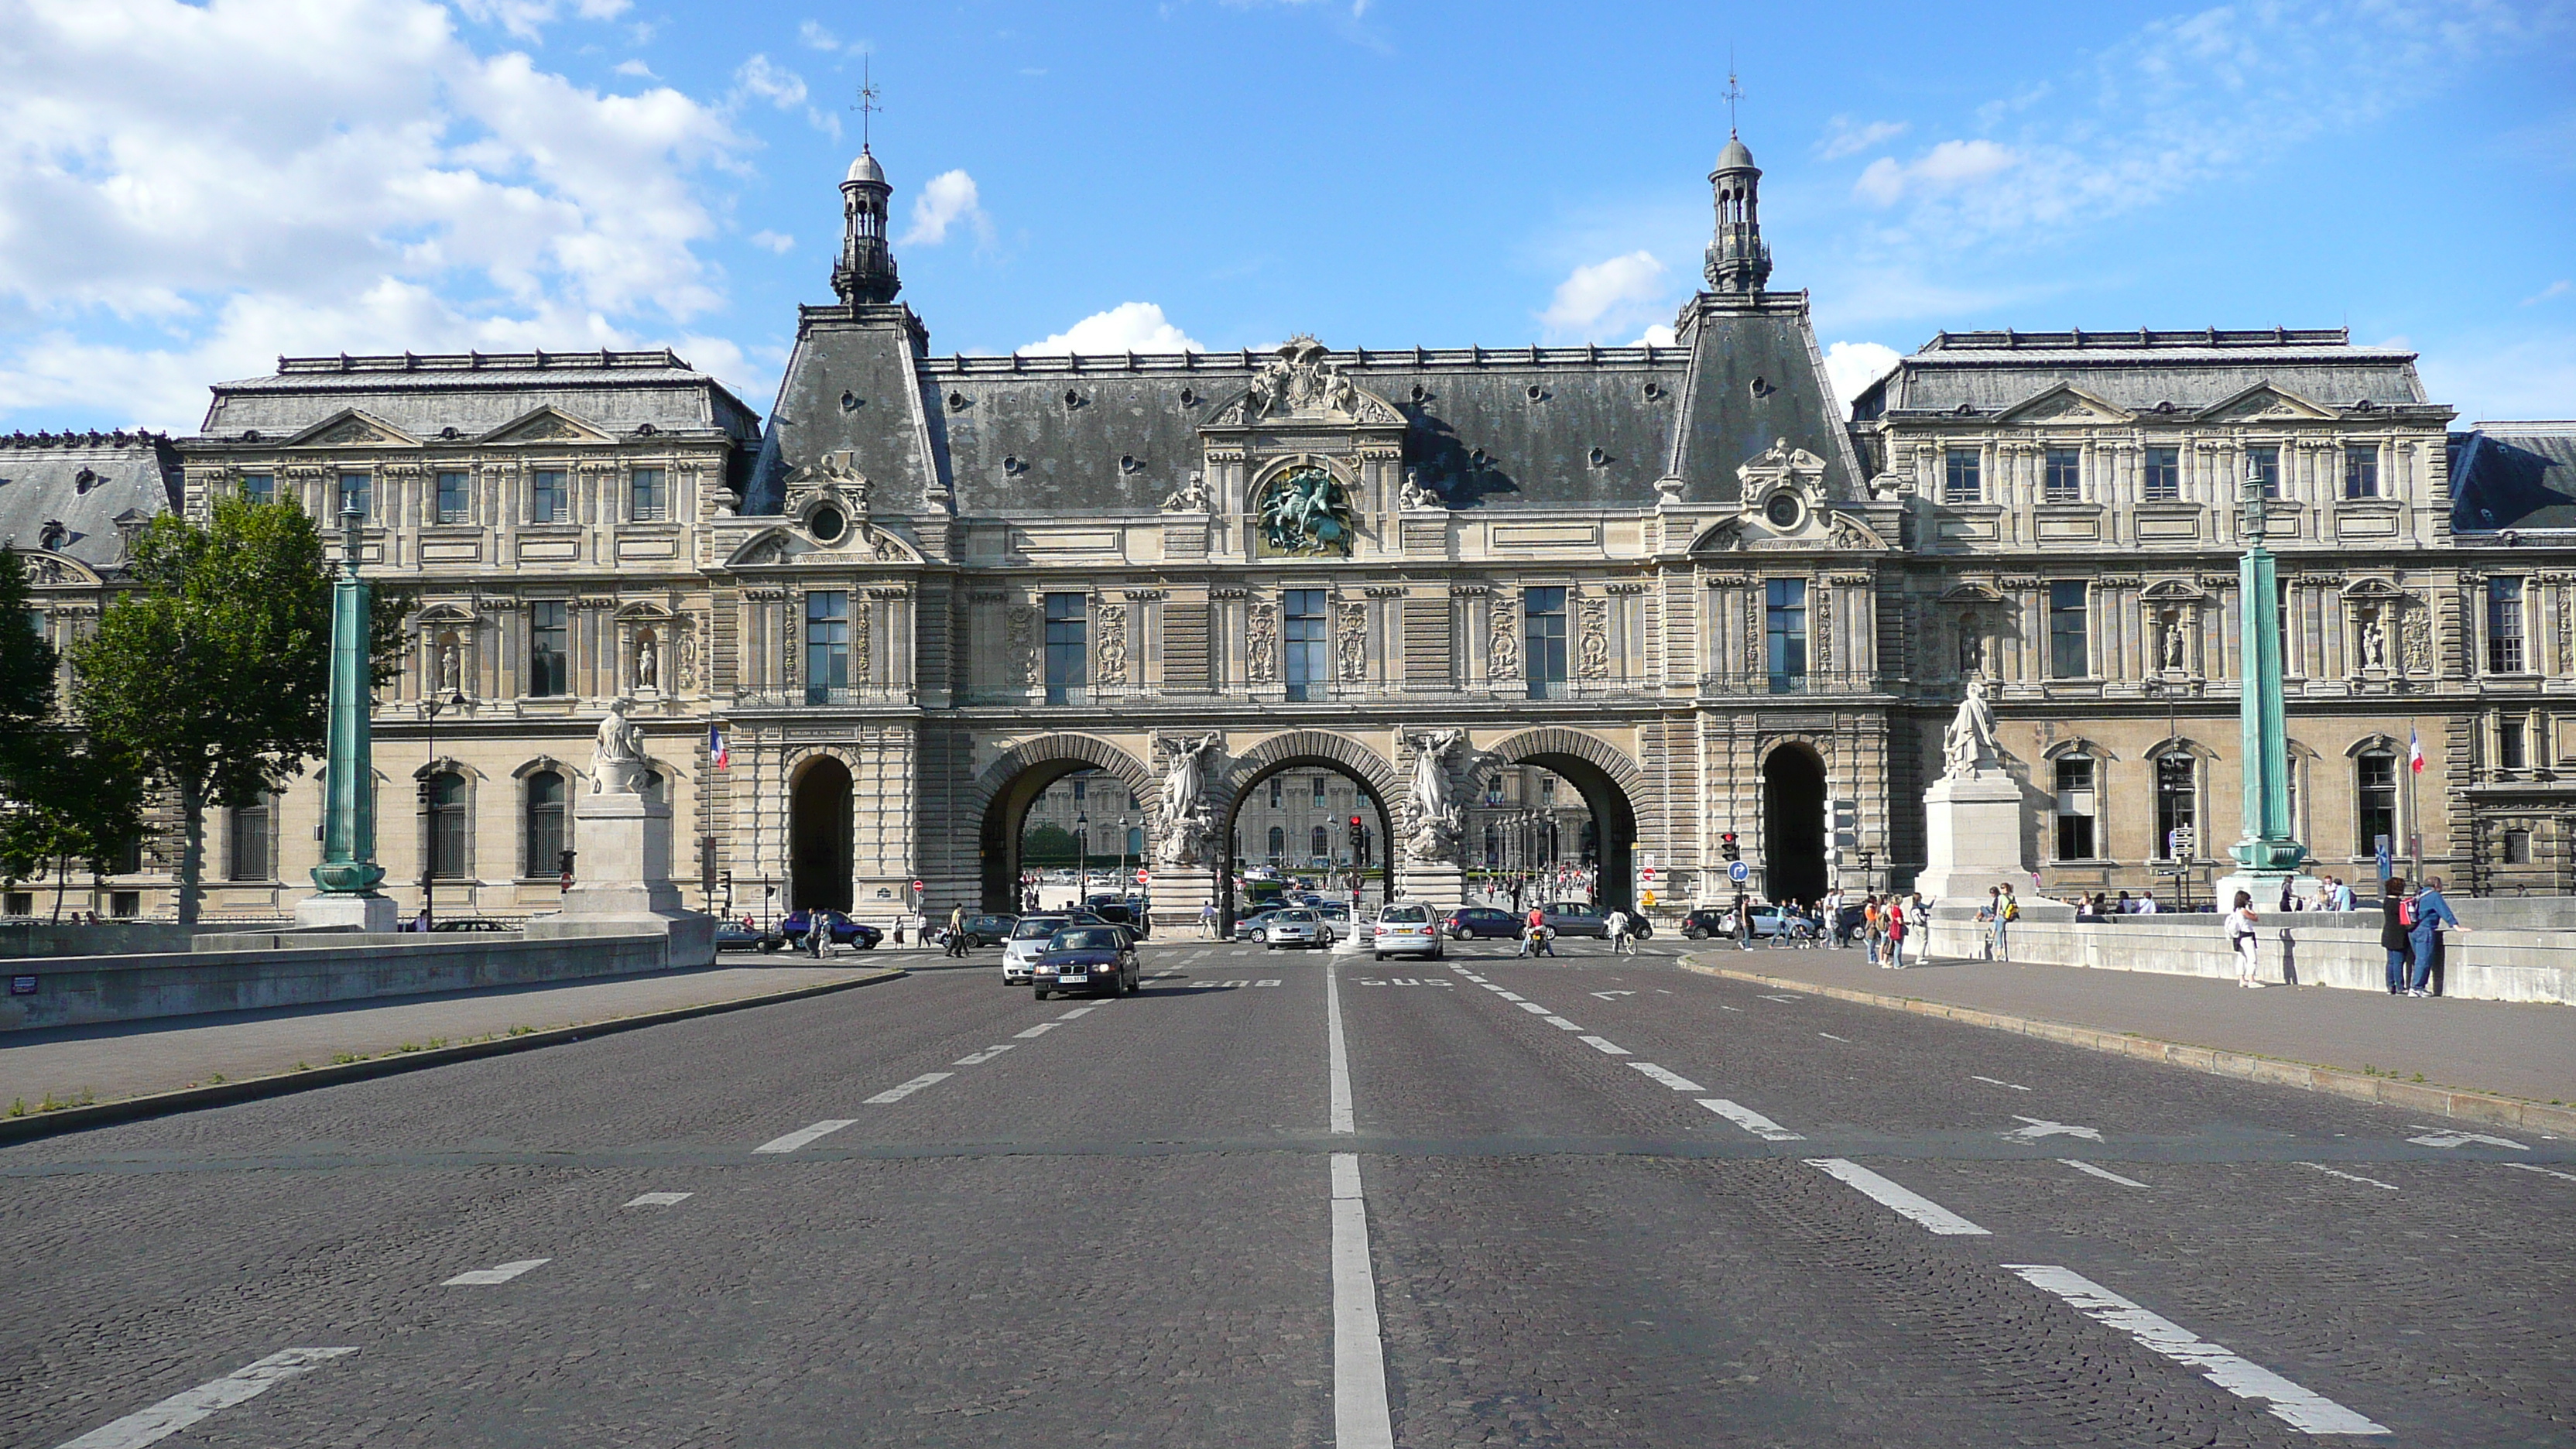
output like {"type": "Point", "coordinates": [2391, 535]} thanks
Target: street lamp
{"type": "Point", "coordinates": [1125, 824]}
{"type": "Point", "coordinates": [1081, 855]}
{"type": "Point", "coordinates": [429, 806]}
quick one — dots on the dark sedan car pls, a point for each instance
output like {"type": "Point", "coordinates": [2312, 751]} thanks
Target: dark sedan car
{"type": "Point", "coordinates": [1481, 923]}
{"type": "Point", "coordinates": [466, 923]}
{"type": "Point", "coordinates": [1098, 959]}
{"type": "Point", "coordinates": [1573, 918]}
{"type": "Point", "coordinates": [981, 930]}
{"type": "Point", "coordinates": [735, 936]}
{"type": "Point", "coordinates": [845, 932]}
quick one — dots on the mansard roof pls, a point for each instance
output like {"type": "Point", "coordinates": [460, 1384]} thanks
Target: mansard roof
{"type": "Point", "coordinates": [85, 482]}
{"type": "Point", "coordinates": [2513, 475]}
{"type": "Point", "coordinates": [1519, 427]}
{"type": "Point", "coordinates": [2144, 370]}
{"type": "Point", "coordinates": [476, 392]}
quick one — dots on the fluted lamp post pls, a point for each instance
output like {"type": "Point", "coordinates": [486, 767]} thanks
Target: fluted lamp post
{"type": "Point", "coordinates": [348, 875]}
{"type": "Point", "coordinates": [2267, 854]}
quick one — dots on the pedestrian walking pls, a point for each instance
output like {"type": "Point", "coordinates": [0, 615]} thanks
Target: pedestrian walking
{"type": "Point", "coordinates": [1742, 924]}
{"type": "Point", "coordinates": [2244, 938]}
{"type": "Point", "coordinates": [1870, 926]}
{"type": "Point", "coordinates": [2428, 914]}
{"type": "Point", "coordinates": [957, 929]}
{"type": "Point", "coordinates": [1207, 920]}
{"type": "Point", "coordinates": [1623, 937]}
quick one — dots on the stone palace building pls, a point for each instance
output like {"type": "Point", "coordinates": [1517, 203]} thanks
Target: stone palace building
{"type": "Point", "coordinates": [1680, 579]}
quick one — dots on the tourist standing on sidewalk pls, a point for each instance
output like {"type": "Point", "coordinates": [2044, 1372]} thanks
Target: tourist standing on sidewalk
{"type": "Point", "coordinates": [1898, 925]}
{"type": "Point", "coordinates": [2007, 911]}
{"type": "Point", "coordinates": [1869, 927]}
{"type": "Point", "coordinates": [2147, 903]}
{"type": "Point", "coordinates": [2243, 938]}
{"type": "Point", "coordinates": [2393, 921]}
{"type": "Point", "coordinates": [2424, 931]}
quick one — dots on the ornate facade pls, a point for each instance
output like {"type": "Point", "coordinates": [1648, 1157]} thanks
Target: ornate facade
{"type": "Point", "coordinates": [927, 588]}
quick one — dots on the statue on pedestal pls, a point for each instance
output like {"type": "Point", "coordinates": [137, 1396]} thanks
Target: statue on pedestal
{"type": "Point", "coordinates": [1969, 743]}
{"type": "Point", "coordinates": [1436, 817]}
{"type": "Point", "coordinates": [617, 762]}
{"type": "Point", "coordinates": [1185, 822]}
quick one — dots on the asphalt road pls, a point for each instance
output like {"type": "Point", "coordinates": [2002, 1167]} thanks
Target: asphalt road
{"type": "Point", "coordinates": [1585, 1201]}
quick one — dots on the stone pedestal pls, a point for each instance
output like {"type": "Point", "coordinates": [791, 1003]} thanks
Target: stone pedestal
{"type": "Point", "coordinates": [624, 882]}
{"type": "Point", "coordinates": [1179, 895]}
{"type": "Point", "coordinates": [368, 912]}
{"type": "Point", "coordinates": [1438, 884]}
{"type": "Point", "coordinates": [1973, 837]}
{"type": "Point", "coordinates": [2263, 885]}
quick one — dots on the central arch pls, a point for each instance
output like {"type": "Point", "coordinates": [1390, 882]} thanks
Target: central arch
{"type": "Point", "coordinates": [1370, 771]}
{"type": "Point", "coordinates": [818, 836]}
{"type": "Point", "coordinates": [1006, 790]}
{"type": "Point", "coordinates": [1793, 824]}
{"type": "Point", "coordinates": [1610, 784]}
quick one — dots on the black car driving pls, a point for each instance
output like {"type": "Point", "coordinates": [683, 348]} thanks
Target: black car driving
{"type": "Point", "coordinates": [1099, 959]}
{"type": "Point", "coordinates": [845, 932]}
{"type": "Point", "coordinates": [1481, 923]}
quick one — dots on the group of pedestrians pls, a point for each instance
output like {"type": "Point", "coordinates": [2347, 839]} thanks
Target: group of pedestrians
{"type": "Point", "coordinates": [1994, 923]}
{"type": "Point", "coordinates": [1887, 924]}
{"type": "Point", "coordinates": [2410, 929]}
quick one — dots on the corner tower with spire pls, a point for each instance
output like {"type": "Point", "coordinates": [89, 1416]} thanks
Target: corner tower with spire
{"type": "Point", "coordinates": [1738, 260]}
{"type": "Point", "coordinates": [865, 272]}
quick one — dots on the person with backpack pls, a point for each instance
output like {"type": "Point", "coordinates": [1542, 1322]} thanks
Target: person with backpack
{"type": "Point", "coordinates": [2427, 914]}
{"type": "Point", "coordinates": [2394, 919]}
{"type": "Point", "coordinates": [2244, 938]}
{"type": "Point", "coordinates": [2007, 911]}
{"type": "Point", "coordinates": [1896, 929]}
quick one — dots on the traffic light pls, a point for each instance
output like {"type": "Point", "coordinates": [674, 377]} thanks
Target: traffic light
{"type": "Point", "coordinates": [1726, 847]}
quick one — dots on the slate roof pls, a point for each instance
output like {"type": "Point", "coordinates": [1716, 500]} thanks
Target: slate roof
{"type": "Point", "coordinates": [2513, 475]}
{"type": "Point", "coordinates": [83, 481]}
{"type": "Point", "coordinates": [1526, 427]}
{"type": "Point", "coordinates": [477, 392]}
{"type": "Point", "coordinates": [2139, 369]}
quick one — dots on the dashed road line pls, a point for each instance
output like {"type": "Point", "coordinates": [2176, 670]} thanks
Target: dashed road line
{"type": "Point", "coordinates": [1792, 1000]}
{"type": "Point", "coordinates": [2349, 1177]}
{"type": "Point", "coordinates": [804, 1135]}
{"type": "Point", "coordinates": [1996, 1082]}
{"type": "Point", "coordinates": [1077, 1012]}
{"type": "Point", "coordinates": [2302, 1409]}
{"type": "Point", "coordinates": [2543, 1171]}
{"type": "Point", "coordinates": [906, 1089]}
{"type": "Point", "coordinates": [1560, 1023]}
{"type": "Point", "coordinates": [2445, 1137]}
{"type": "Point", "coordinates": [1360, 1417]}
{"type": "Point", "coordinates": [1337, 1057]}
{"type": "Point", "coordinates": [1508, 996]}
{"type": "Point", "coordinates": [1532, 1007]}
{"type": "Point", "coordinates": [2041, 1127]}
{"type": "Point", "coordinates": [1042, 1028]}
{"type": "Point", "coordinates": [1673, 1080]}
{"type": "Point", "coordinates": [1605, 1047]}
{"type": "Point", "coordinates": [1896, 1198]}
{"type": "Point", "coordinates": [1829, 1036]}
{"type": "Point", "coordinates": [2082, 1166]}
{"type": "Point", "coordinates": [1750, 1120]}
{"type": "Point", "coordinates": [499, 1273]}
{"type": "Point", "coordinates": [177, 1412]}
{"type": "Point", "coordinates": [658, 1199]}
{"type": "Point", "coordinates": [977, 1059]}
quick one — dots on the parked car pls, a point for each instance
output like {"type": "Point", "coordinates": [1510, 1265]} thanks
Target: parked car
{"type": "Point", "coordinates": [1088, 958]}
{"type": "Point", "coordinates": [735, 936]}
{"type": "Point", "coordinates": [1248, 928]}
{"type": "Point", "coordinates": [1482, 923]}
{"type": "Point", "coordinates": [1710, 921]}
{"type": "Point", "coordinates": [1336, 915]}
{"type": "Point", "coordinates": [981, 930]}
{"type": "Point", "coordinates": [1573, 918]}
{"type": "Point", "coordinates": [467, 923]}
{"type": "Point", "coordinates": [1406, 928]}
{"type": "Point", "coordinates": [1298, 927]}
{"type": "Point", "coordinates": [845, 932]}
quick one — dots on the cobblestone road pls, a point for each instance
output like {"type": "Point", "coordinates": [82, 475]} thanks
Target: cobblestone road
{"type": "Point", "coordinates": [1588, 1201]}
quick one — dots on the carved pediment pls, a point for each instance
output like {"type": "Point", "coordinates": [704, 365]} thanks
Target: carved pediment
{"type": "Point", "coordinates": [1301, 384]}
{"type": "Point", "coordinates": [2264, 403]}
{"type": "Point", "coordinates": [351, 428]}
{"type": "Point", "coordinates": [1778, 462]}
{"type": "Point", "coordinates": [1970, 591]}
{"type": "Point", "coordinates": [548, 424]}
{"type": "Point", "coordinates": [769, 546]}
{"type": "Point", "coordinates": [2066, 403]}
{"type": "Point", "coordinates": [886, 546]}
{"type": "Point", "coordinates": [833, 476]}
{"type": "Point", "coordinates": [1720, 537]}
{"type": "Point", "coordinates": [2173, 591]}
{"type": "Point", "coordinates": [54, 569]}
{"type": "Point", "coordinates": [2374, 589]}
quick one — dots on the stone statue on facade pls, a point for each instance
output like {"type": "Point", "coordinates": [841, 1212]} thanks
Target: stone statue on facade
{"type": "Point", "coordinates": [1186, 817]}
{"type": "Point", "coordinates": [2169, 642]}
{"type": "Point", "coordinates": [2374, 642]}
{"type": "Point", "coordinates": [1969, 743]}
{"type": "Point", "coordinates": [1190, 497]}
{"type": "Point", "coordinates": [1972, 649]}
{"type": "Point", "coordinates": [1436, 817]}
{"type": "Point", "coordinates": [617, 762]}
{"type": "Point", "coordinates": [648, 662]}
{"type": "Point", "coordinates": [1416, 496]}
{"type": "Point", "coordinates": [450, 667]}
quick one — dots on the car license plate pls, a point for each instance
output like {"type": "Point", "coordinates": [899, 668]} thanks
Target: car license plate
{"type": "Point", "coordinates": [1071, 975]}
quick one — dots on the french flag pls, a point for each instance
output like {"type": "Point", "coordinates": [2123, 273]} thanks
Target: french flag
{"type": "Point", "coordinates": [724, 757]}
{"type": "Point", "coordinates": [2414, 751]}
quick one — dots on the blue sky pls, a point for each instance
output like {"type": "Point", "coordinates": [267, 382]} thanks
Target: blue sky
{"type": "Point", "coordinates": [188, 190]}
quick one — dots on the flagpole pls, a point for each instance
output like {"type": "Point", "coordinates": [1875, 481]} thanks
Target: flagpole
{"type": "Point", "coordinates": [2414, 827]}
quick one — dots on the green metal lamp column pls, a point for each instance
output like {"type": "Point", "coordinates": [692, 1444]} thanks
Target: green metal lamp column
{"type": "Point", "coordinates": [348, 804]}
{"type": "Point", "coordinates": [2267, 845]}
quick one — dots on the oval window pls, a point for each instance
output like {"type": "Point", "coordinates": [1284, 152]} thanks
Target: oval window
{"type": "Point", "coordinates": [827, 525]}
{"type": "Point", "coordinates": [1782, 510]}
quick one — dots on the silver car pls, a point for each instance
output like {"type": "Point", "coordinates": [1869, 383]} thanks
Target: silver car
{"type": "Point", "coordinates": [1295, 928]}
{"type": "Point", "coordinates": [1406, 928]}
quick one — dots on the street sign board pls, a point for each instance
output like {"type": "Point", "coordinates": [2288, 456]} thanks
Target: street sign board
{"type": "Point", "coordinates": [1739, 872]}
{"type": "Point", "coordinates": [2379, 850]}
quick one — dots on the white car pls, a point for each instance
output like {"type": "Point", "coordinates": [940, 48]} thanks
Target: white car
{"type": "Point", "coordinates": [1028, 942]}
{"type": "Point", "coordinates": [1406, 928]}
{"type": "Point", "coordinates": [1295, 928]}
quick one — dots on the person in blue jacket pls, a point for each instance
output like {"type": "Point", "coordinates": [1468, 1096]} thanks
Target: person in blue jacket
{"type": "Point", "coordinates": [2425, 935]}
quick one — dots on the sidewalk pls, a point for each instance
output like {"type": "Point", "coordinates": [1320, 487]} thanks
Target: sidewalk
{"type": "Point", "coordinates": [113, 1061]}
{"type": "Point", "coordinates": [2525, 1051]}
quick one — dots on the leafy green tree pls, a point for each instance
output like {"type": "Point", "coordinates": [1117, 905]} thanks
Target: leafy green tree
{"type": "Point", "coordinates": [26, 670]}
{"type": "Point", "coordinates": [83, 806]}
{"type": "Point", "coordinates": [1047, 845]}
{"type": "Point", "coordinates": [214, 671]}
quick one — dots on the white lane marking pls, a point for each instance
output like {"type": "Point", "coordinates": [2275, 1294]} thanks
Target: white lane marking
{"type": "Point", "coordinates": [2440, 1137]}
{"type": "Point", "coordinates": [1532, 1007]}
{"type": "Point", "coordinates": [1498, 991]}
{"type": "Point", "coordinates": [1829, 1036]}
{"type": "Point", "coordinates": [1560, 1023]}
{"type": "Point", "coordinates": [658, 1199]}
{"type": "Point", "coordinates": [177, 1412]}
{"type": "Point", "coordinates": [1337, 1057]}
{"type": "Point", "coordinates": [1792, 1000]}
{"type": "Point", "coordinates": [1606, 995]}
{"type": "Point", "coordinates": [2082, 1166]}
{"type": "Point", "coordinates": [2543, 1171]}
{"type": "Point", "coordinates": [1078, 1012]}
{"type": "Point", "coordinates": [803, 1135]}
{"type": "Point", "coordinates": [1722, 1006]}
{"type": "Point", "coordinates": [1267, 981]}
{"type": "Point", "coordinates": [1903, 1201]}
{"type": "Point", "coordinates": [1360, 1418]}
{"type": "Point", "coordinates": [1669, 1079]}
{"type": "Point", "coordinates": [1508, 996]}
{"type": "Point", "coordinates": [2041, 1127]}
{"type": "Point", "coordinates": [1994, 1082]}
{"type": "Point", "coordinates": [2301, 1409]}
{"type": "Point", "coordinates": [2372, 1181]}
{"type": "Point", "coordinates": [1750, 1120]}
{"type": "Point", "coordinates": [986, 1055]}
{"type": "Point", "coordinates": [1042, 1028]}
{"type": "Point", "coordinates": [1598, 1045]}
{"type": "Point", "coordinates": [501, 1273]}
{"type": "Point", "coordinates": [898, 1093]}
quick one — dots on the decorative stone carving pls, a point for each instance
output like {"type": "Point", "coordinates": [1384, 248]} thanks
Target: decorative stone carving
{"type": "Point", "coordinates": [1190, 497]}
{"type": "Point", "coordinates": [648, 661]}
{"type": "Point", "coordinates": [688, 660]}
{"type": "Point", "coordinates": [451, 670]}
{"type": "Point", "coordinates": [1969, 743]}
{"type": "Point", "coordinates": [2373, 635]}
{"type": "Point", "coordinates": [1779, 462]}
{"type": "Point", "coordinates": [617, 760]}
{"type": "Point", "coordinates": [1592, 647]}
{"type": "Point", "coordinates": [1112, 665]}
{"type": "Point", "coordinates": [833, 475]}
{"type": "Point", "coordinates": [1302, 383]}
{"type": "Point", "coordinates": [1668, 491]}
{"type": "Point", "coordinates": [1434, 818]}
{"type": "Point", "coordinates": [1417, 497]}
{"type": "Point", "coordinates": [2415, 627]}
{"type": "Point", "coordinates": [1821, 636]}
{"type": "Point", "coordinates": [1261, 629]}
{"type": "Point", "coordinates": [350, 431]}
{"type": "Point", "coordinates": [1022, 641]}
{"type": "Point", "coordinates": [1972, 646]}
{"type": "Point", "coordinates": [1350, 643]}
{"type": "Point", "coordinates": [1503, 640]}
{"type": "Point", "coordinates": [1305, 511]}
{"type": "Point", "coordinates": [2169, 640]}
{"type": "Point", "coordinates": [1187, 817]}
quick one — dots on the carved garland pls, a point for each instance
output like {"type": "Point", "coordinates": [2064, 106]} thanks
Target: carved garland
{"type": "Point", "coordinates": [1592, 658]}
{"type": "Point", "coordinates": [1502, 641]}
{"type": "Point", "coordinates": [1351, 643]}
{"type": "Point", "coordinates": [1113, 644]}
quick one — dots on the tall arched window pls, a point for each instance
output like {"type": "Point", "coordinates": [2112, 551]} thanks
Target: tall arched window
{"type": "Point", "coordinates": [443, 797]}
{"type": "Point", "coordinates": [545, 822]}
{"type": "Point", "coordinates": [1278, 844]}
{"type": "Point", "coordinates": [247, 849]}
{"type": "Point", "coordinates": [2375, 793]}
{"type": "Point", "coordinates": [1319, 843]}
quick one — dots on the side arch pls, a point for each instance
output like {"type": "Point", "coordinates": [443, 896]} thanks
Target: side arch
{"type": "Point", "coordinates": [1612, 786]}
{"type": "Point", "coordinates": [1002, 795]}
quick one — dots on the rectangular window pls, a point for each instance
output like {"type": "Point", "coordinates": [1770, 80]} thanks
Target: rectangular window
{"type": "Point", "coordinates": [357, 490]}
{"type": "Point", "coordinates": [1961, 479]}
{"type": "Point", "coordinates": [646, 500]}
{"type": "Point", "coordinates": [249, 843]}
{"type": "Point", "coordinates": [2267, 461]}
{"type": "Point", "coordinates": [1275, 785]}
{"type": "Point", "coordinates": [2063, 478]}
{"type": "Point", "coordinates": [259, 487]}
{"type": "Point", "coordinates": [2375, 778]}
{"type": "Point", "coordinates": [549, 647]}
{"type": "Point", "coordinates": [2163, 475]}
{"type": "Point", "coordinates": [2075, 810]}
{"type": "Point", "coordinates": [1310, 659]}
{"type": "Point", "coordinates": [1543, 641]}
{"type": "Point", "coordinates": [2504, 626]}
{"type": "Point", "coordinates": [1784, 634]}
{"type": "Point", "coordinates": [827, 646]}
{"type": "Point", "coordinates": [1081, 790]}
{"type": "Point", "coordinates": [2070, 653]}
{"type": "Point", "coordinates": [549, 497]}
{"type": "Point", "coordinates": [445, 794]}
{"type": "Point", "coordinates": [2361, 472]}
{"type": "Point", "coordinates": [1068, 648]}
{"type": "Point", "coordinates": [2517, 847]}
{"type": "Point", "coordinates": [2177, 807]}
{"type": "Point", "coordinates": [1319, 792]}
{"type": "Point", "coordinates": [2511, 751]}
{"type": "Point", "coordinates": [452, 505]}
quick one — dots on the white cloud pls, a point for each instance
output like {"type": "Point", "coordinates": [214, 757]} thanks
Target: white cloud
{"type": "Point", "coordinates": [275, 176]}
{"type": "Point", "coordinates": [775, 84]}
{"type": "Point", "coordinates": [1946, 167]}
{"type": "Point", "coordinates": [813, 36]}
{"type": "Point", "coordinates": [1127, 327]}
{"type": "Point", "coordinates": [771, 241]}
{"type": "Point", "coordinates": [527, 19]}
{"type": "Point", "coordinates": [1845, 137]}
{"type": "Point", "coordinates": [636, 68]}
{"type": "Point", "coordinates": [1606, 297]}
{"type": "Point", "coordinates": [1853, 366]}
{"type": "Point", "coordinates": [1657, 334]}
{"type": "Point", "coordinates": [2555, 289]}
{"type": "Point", "coordinates": [947, 199]}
